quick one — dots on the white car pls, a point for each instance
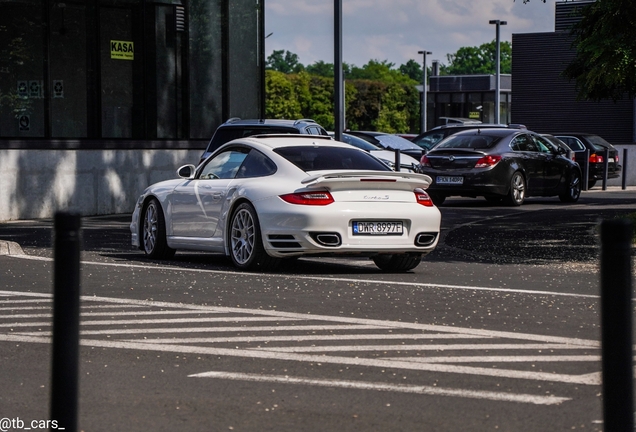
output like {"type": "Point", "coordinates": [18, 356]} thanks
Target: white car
{"type": "Point", "coordinates": [262, 199]}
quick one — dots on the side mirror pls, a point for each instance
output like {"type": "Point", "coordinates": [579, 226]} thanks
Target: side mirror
{"type": "Point", "coordinates": [186, 171]}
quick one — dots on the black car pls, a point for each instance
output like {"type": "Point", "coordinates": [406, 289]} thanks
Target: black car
{"type": "Point", "coordinates": [389, 142]}
{"type": "Point", "coordinates": [240, 128]}
{"type": "Point", "coordinates": [500, 164]}
{"type": "Point", "coordinates": [427, 140]}
{"type": "Point", "coordinates": [579, 142]}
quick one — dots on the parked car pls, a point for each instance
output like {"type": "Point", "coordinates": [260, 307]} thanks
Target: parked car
{"type": "Point", "coordinates": [240, 128]}
{"type": "Point", "coordinates": [558, 143]}
{"type": "Point", "coordinates": [427, 140]}
{"type": "Point", "coordinates": [500, 164]}
{"type": "Point", "coordinates": [389, 142]}
{"type": "Point", "coordinates": [262, 199]}
{"type": "Point", "coordinates": [579, 142]}
{"type": "Point", "coordinates": [407, 163]}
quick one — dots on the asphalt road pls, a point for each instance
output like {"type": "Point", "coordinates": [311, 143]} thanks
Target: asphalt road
{"type": "Point", "coordinates": [497, 330]}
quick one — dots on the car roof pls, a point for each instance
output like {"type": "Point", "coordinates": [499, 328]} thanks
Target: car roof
{"type": "Point", "coordinates": [235, 121]}
{"type": "Point", "coordinates": [500, 131]}
{"type": "Point", "coordinates": [273, 141]}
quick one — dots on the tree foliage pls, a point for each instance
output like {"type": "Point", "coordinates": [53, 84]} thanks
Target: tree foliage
{"type": "Point", "coordinates": [605, 42]}
{"type": "Point", "coordinates": [479, 60]}
{"type": "Point", "coordinates": [284, 61]}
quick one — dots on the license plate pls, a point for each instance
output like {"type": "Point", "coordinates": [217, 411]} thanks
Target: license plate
{"type": "Point", "coordinates": [449, 180]}
{"type": "Point", "coordinates": [377, 228]}
{"type": "Point", "coordinates": [610, 160]}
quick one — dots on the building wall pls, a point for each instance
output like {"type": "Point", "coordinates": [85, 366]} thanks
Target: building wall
{"type": "Point", "coordinates": [546, 102]}
{"type": "Point", "coordinates": [38, 183]}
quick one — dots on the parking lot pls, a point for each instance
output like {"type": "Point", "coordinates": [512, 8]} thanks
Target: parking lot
{"type": "Point", "coordinates": [498, 329]}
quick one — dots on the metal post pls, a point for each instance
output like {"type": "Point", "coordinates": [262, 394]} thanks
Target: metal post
{"type": "Point", "coordinates": [586, 169]}
{"type": "Point", "coordinates": [498, 23]}
{"type": "Point", "coordinates": [397, 160]}
{"type": "Point", "coordinates": [624, 185]}
{"type": "Point", "coordinates": [66, 299]}
{"type": "Point", "coordinates": [605, 168]}
{"type": "Point", "coordinates": [424, 101]}
{"type": "Point", "coordinates": [338, 85]}
{"type": "Point", "coordinates": [616, 325]}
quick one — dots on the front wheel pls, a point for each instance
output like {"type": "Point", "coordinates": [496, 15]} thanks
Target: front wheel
{"type": "Point", "coordinates": [573, 192]}
{"type": "Point", "coordinates": [517, 193]}
{"type": "Point", "coordinates": [245, 241]}
{"type": "Point", "coordinates": [397, 263]}
{"type": "Point", "coordinates": [437, 198]}
{"type": "Point", "coordinates": [154, 232]}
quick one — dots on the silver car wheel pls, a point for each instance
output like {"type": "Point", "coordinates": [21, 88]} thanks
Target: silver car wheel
{"type": "Point", "coordinates": [518, 186]}
{"type": "Point", "coordinates": [150, 228]}
{"type": "Point", "coordinates": [242, 236]}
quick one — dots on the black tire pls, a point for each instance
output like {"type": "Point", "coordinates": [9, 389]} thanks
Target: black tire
{"type": "Point", "coordinates": [437, 198]}
{"type": "Point", "coordinates": [397, 263]}
{"type": "Point", "coordinates": [573, 192]}
{"type": "Point", "coordinates": [245, 243]}
{"type": "Point", "coordinates": [153, 232]}
{"type": "Point", "coordinates": [590, 184]}
{"type": "Point", "coordinates": [517, 193]}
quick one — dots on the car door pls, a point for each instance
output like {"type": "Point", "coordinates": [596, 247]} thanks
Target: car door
{"type": "Point", "coordinates": [528, 156]}
{"type": "Point", "coordinates": [554, 165]}
{"type": "Point", "coordinates": [197, 204]}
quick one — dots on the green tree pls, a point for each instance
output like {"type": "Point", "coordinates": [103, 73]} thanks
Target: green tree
{"type": "Point", "coordinates": [479, 60]}
{"type": "Point", "coordinates": [412, 69]}
{"type": "Point", "coordinates": [281, 101]}
{"type": "Point", "coordinates": [605, 41]}
{"type": "Point", "coordinates": [283, 61]}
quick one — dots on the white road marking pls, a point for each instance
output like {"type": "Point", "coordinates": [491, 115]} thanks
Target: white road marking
{"type": "Point", "coordinates": [401, 388]}
{"type": "Point", "coordinates": [152, 321]}
{"type": "Point", "coordinates": [126, 313]}
{"type": "Point", "coordinates": [459, 347]}
{"type": "Point", "coordinates": [323, 279]}
{"type": "Point", "coordinates": [501, 359]}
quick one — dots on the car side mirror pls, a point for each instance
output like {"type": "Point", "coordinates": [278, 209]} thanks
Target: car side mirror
{"type": "Point", "coordinates": [186, 171]}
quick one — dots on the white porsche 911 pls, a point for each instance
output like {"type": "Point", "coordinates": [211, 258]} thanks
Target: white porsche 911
{"type": "Point", "coordinates": [265, 198]}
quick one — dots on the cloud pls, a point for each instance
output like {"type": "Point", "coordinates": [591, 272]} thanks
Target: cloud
{"type": "Point", "coordinates": [395, 30]}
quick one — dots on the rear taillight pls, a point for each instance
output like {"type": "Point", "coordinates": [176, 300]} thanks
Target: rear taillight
{"type": "Point", "coordinates": [594, 158]}
{"type": "Point", "coordinates": [425, 162]}
{"type": "Point", "coordinates": [319, 198]}
{"type": "Point", "coordinates": [423, 198]}
{"type": "Point", "coordinates": [488, 161]}
{"type": "Point", "coordinates": [616, 158]}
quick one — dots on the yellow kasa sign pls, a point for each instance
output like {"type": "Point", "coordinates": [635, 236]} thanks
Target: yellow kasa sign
{"type": "Point", "coordinates": [122, 50]}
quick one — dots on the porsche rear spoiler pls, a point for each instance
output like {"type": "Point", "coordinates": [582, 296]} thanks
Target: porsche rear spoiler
{"type": "Point", "coordinates": [369, 179]}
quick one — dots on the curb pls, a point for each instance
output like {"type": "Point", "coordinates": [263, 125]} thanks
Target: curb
{"type": "Point", "coordinates": [10, 248]}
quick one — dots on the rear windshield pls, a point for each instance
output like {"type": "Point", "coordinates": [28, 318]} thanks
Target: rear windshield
{"type": "Point", "coordinates": [598, 141]}
{"type": "Point", "coordinates": [396, 142]}
{"type": "Point", "coordinates": [330, 158]}
{"type": "Point", "coordinates": [469, 142]}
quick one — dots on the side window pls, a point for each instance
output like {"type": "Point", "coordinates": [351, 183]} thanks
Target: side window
{"type": "Point", "coordinates": [544, 145]}
{"type": "Point", "coordinates": [523, 143]}
{"type": "Point", "coordinates": [225, 165]}
{"type": "Point", "coordinates": [256, 164]}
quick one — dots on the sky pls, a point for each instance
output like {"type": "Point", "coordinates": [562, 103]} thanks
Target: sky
{"type": "Point", "coordinates": [395, 30]}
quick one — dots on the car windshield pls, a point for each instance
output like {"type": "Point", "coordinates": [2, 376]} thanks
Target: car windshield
{"type": "Point", "coordinates": [359, 142]}
{"type": "Point", "coordinates": [396, 142]}
{"type": "Point", "coordinates": [480, 141]}
{"type": "Point", "coordinates": [313, 158]}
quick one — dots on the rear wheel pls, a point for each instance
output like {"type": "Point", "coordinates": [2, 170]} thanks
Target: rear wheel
{"type": "Point", "coordinates": [573, 192]}
{"type": "Point", "coordinates": [154, 232]}
{"type": "Point", "coordinates": [517, 193]}
{"type": "Point", "coordinates": [245, 241]}
{"type": "Point", "coordinates": [397, 262]}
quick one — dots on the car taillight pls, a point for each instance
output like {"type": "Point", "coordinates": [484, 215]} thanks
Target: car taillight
{"type": "Point", "coordinates": [488, 161]}
{"type": "Point", "coordinates": [616, 158]}
{"type": "Point", "coordinates": [423, 198]}
{"type": "Point", "coordinates": [594, 158]}
{"type": "Point", "coordinates": [425, 162]}
{"type": "Point", "coordinates": [320, 198]}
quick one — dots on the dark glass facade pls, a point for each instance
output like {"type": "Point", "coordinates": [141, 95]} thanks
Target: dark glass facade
{"type": "Point", "coordinates": [128, 69]}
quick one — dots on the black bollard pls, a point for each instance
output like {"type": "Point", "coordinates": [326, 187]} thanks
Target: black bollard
{"type": "Point", "coordinates": [624, 183]}
{"type": "Point", "coordinates": [398, 162]}
{"type": "Point", "coordinates": [586, 169]}
{"type": "Point", "coordinates": [605, 168]}
{"type": "Point", "coordinates": [66, 310]}
{"type": "Point", "coordinates": [616, 325]}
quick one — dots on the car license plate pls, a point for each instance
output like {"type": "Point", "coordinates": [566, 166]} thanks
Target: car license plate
{"type": "Point", "coordinates": [455, 180]}
{"type": "Point", "coordinates": [610, 160]}
{"type": "Point", "coordinates": [377, 228]}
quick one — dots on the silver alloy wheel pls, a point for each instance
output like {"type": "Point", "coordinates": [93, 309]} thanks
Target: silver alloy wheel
{"type": "Point", "coordinates": [151, 223]}
{"type": "Point", "coordinates": [575, 187]}
{"type": "Point", "coordinates": [518, 188]}
{"type": "Point", "coordinates": [242, 236]}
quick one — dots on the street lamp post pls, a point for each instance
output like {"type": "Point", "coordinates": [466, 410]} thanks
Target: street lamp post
{"type": "Point", "coordinates": [424, 101]}
{"type": "Point", "coordinates": [498, 23]}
